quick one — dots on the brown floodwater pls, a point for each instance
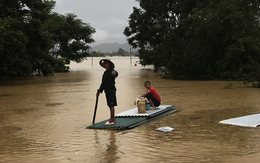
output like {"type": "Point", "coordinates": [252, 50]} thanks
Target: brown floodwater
{"type": "Point", "coordinates": [44, 119]}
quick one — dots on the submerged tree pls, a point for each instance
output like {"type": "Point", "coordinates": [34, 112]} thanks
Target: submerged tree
{"type": "Point", "coordinates": [24, 46]}
{"type": "Point", "coordinates": [198, 39]}
{"type": "Point", "coordinates": [70, 36]}
{"type": "Point", "coordinates": [29, 31]}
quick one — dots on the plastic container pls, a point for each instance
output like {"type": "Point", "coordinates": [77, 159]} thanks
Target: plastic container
{"type": "Point", "coordinates": [141, 105]}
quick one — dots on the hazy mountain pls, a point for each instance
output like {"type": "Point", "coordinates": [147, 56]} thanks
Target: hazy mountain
{"type": "Point", "coordinates": [112, 47]}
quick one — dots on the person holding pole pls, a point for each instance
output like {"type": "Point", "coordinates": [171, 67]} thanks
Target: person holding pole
{"type": "Point", "coordinates": [108, 85]}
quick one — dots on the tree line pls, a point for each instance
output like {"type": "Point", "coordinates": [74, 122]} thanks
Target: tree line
{"type": "Point", "coordinates": [34, 38]}
{"type": "Point", "coordinates": [198, 39]}
{"type": "Point", "coordinates": [119, 52]}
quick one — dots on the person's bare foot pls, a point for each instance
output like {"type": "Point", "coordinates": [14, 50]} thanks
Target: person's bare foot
{"type": "Point", "coordinates": [109, 123]}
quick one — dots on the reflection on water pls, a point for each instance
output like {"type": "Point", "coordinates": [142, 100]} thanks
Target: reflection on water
{"type": "Point", "coordinates": [44, 119]}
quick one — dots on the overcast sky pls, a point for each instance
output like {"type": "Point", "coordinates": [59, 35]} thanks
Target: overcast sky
{"type": "Point", "coordinates": [108, 17]}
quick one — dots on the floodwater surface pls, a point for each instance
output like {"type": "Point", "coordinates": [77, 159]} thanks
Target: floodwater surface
{"type": "Point", "coordinates": [44, 119]}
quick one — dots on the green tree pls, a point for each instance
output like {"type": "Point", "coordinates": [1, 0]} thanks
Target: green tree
{"type": "Point", "coordinates": [24, 47]}
{"type": "Point", "coordinates": [39, 41]}
{"type": "Point", "coordinates": [70, 36]}
{"type": "Point", "coordinates": [29, 29]}
{"type": "Point", "coordinates": [198, 39]}
{"type": "Point", "coordinates": [13, 57]}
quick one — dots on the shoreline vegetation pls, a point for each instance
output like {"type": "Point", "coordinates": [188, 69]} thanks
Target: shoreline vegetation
{"type": "Point", "coordinates": [161, 70]}
{"type": "Point", "coordinates": [182, 40]}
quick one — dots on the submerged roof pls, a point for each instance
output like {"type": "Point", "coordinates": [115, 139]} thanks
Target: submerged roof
{"type": "Point", "coordinates": [130, 119]}
{"type": "Point", "coordinates": [246, 121]}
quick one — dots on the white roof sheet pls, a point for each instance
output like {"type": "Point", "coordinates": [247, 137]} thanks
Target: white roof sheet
{"type": "Point", "coordinates": [134, 112]}
{"type": "Point", "coordinates": [246, 121]}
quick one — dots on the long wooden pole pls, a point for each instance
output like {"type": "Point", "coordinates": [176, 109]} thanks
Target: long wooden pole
{"type": "Point", "coordinates": [95, 111]}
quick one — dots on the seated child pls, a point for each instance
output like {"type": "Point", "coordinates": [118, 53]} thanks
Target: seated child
{"type": "Point", "coordinates": [152, 96]}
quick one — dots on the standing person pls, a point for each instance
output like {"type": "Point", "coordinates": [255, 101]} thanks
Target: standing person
{"type": "Point", "coordinates": [108, 85]}
{"type": "Point", "coordinates": [152, 95]}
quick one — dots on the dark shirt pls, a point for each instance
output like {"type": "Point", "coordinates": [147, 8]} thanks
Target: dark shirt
{"type": "Point", "coordinates": [108, 82]}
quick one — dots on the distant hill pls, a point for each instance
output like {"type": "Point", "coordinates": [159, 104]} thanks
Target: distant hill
{"type": "Point", "coordinates": [112, 47]}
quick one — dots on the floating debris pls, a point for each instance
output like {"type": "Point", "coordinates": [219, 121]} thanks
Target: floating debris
{"type": "Point", "coordinates": [245, 121]}
{"type": "Point", "coordinates": [164, 129]}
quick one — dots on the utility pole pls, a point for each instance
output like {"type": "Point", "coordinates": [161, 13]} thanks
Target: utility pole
{"type": "Point", "coordinates": [92, 56]}
{"type": "Point", "coordinates": [130, 57]}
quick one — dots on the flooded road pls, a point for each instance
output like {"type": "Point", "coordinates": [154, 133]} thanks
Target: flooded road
{"type": "Point", "coordinates": [44, 119]}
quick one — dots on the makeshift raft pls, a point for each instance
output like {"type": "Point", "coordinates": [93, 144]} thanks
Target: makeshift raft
{"type": "Point", "coordinates": [130, 118]}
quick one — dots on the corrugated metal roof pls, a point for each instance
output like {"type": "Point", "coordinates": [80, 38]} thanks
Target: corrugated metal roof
{"type": "Point", "coordinates": [123, 123]}
{"type": "Point", "coordinates": [134, 112]}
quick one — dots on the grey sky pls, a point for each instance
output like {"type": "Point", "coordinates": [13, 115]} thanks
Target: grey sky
{"type": "Point", "coordinates": [108, 17]}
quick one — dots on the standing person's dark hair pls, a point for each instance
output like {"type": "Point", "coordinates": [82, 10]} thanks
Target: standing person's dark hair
{"type": "Point", "coordinates": [152, 95]}
{"type": "Point", "coordinates": [108, 85]}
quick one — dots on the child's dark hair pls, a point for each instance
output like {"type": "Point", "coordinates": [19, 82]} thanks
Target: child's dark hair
{"type": "Point", "coordinates": [147, 82]}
